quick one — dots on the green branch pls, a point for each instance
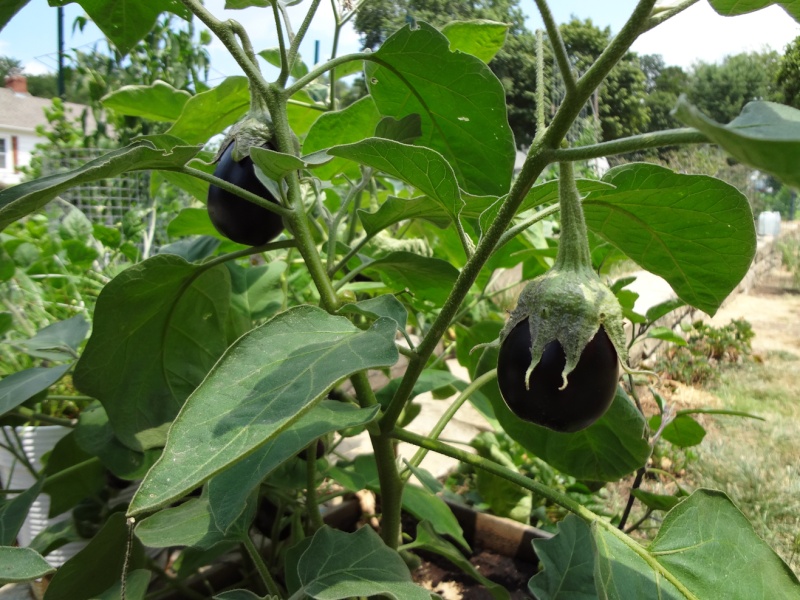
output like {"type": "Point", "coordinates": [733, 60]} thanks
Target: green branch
{"type": "Point", "coordinates": [301, 33]}
{"type": "Point", "coordinates": [284, 74]}
{"type": "Point", "coordinates": [324, 68]}
{"type": "Point", "coordinates": [550, 494]}
{"type": "Point", "coordinates": [227, 33]}
{"type": "Point", "coordinates": [235, 189]}
{"type": "Point", "coordinates": [268, 247]}
{"type": "Point", "coordinates": [419, 456]}
{"type": "Point", "coordinates": [312, 503]}
{"type": "Point", "coordinates": [661, 16]}
{"type": "Point", "coordinates": [615, 50]}
{"type": "Point", "coordinates": [559, 49]}
{"type": "Point", "coordinates": [262, 568]}
{"type": "Point", "coordinates": [634, 143]}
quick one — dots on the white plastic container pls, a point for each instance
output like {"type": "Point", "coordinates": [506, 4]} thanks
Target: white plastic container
{"type": "Point", "coordinates": [36, 441]}
{"type": "Point", "coordinates": [769, 223]}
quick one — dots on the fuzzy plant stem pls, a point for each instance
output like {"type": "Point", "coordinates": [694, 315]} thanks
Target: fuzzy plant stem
{"type": "Point", "coordinates": [573, 244]}
{"type": "Point", "coordinates": [262, 568]}
{"type": "Point", "coordinates": [592, 519]}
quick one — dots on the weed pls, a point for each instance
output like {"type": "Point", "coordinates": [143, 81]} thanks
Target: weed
{"type": "Point", "coordinates": [707, 346]}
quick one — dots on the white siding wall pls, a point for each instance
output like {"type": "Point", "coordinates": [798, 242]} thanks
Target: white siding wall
{"type": "Point", "coordinates": [25, 144]}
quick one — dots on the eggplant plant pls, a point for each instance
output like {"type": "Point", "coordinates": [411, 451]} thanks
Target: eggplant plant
{"type": "Point", "coordinates": [217, 369]}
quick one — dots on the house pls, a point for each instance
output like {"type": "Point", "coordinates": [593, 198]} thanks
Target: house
{"type": "Point", "coordinates": [20, 114]}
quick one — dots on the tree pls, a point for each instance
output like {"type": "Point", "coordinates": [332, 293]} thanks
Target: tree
{"type": "Point", "coordinates": [8, 65]}
{"type": "Point", "coordinates": [722, 90]}
{"type": "Point", "coordinates": [787, 77]}
{"type": "Point", "coordinates": [663, 85]}
{"type": "Point", "coordinates": [620, 99]}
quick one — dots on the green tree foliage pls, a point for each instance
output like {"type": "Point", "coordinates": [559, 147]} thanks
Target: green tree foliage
{"type": "Point", "coordinates": [619, 102]}
{"type": "Point", "coordinates": [664, 84]}
{"type": "Point", "coordinates": [7, 65]}
{"type": "Point", "coordinates": [788, 75]}
{"type": "Point", "coordinates": [722, 90]}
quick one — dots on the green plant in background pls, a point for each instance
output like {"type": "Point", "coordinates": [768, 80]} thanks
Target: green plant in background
{"type": "Point", "coordinates": [706, 349]}
{"type": "Point", "coordinates": [214, 365]}
{"type": "Point", "coordinates": [790, 258]}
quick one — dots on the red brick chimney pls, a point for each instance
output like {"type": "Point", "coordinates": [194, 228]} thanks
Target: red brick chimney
{"type": "Point", "coordinates": [17, 82]}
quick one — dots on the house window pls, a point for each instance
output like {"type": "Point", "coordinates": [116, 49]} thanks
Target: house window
{"type": "Point", "coordinates": [3, 153]}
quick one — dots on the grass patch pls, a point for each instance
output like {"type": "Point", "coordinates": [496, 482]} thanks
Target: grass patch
{"type": "Point", "coordinates": [756, 462]}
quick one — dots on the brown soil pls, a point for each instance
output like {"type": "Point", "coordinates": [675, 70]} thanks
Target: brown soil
{"type": "Point", "coordinates": [441, 577]}
{"type": "Point", "coordinates": [773, 309]}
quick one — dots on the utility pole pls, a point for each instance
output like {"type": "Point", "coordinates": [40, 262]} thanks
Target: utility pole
{"type": "Point", "coordinates": [61, 89]}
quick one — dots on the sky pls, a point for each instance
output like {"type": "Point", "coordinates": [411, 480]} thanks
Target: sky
{"type": "Point", "coordinates": [697, 34]}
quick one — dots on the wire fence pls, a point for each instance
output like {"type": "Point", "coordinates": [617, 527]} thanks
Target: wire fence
{"type": "Point", "coordinates": [121, 202]}
{"type": "Point", "coordinates": [105, 201]}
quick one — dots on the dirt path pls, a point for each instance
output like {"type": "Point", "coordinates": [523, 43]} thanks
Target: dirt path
{"type": "Point", "coordinates": [774, 312]}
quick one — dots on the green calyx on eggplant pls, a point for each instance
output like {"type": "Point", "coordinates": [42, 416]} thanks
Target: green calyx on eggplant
{"type": "Point", "coordinates": [238, 219]}
{"type": "Point", "coordinates": [560, 350]}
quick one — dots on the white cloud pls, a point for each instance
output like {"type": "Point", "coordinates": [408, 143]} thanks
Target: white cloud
{"type": "Point", "coordinates": [700, 34]}
{"type": "Point", "coordinates": [34, 67]}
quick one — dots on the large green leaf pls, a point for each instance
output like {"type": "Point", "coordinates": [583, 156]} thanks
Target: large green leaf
{"type": "Point", "coordinates": [386, 305]}
{"type": "Point", "coordinates": [21, 564]}
{"type": "Point", "coordinates": [273, 55]}
{"type": "Point", "coordinates": [394, 210]}
{"type": "Point", "coordinates": [480, 37]}
{"type": "Point", "coordinates": [620, 573]}
{"type": "Point", "coordinates": [228, 491]}
{"type": "Point", "coordinates": [22, 385]}
{"type": "Point", "coordinates": [257, 293]}
{"type": "Point", "coordinates": [193, 186]}
{"type": "Point", "coordinates": [303, 111]}
{"type": "Point", "coordinates": [505, 498]}
{"type": "Point", "coordinates": [339, 565]}
{"type": "Point", "coordinates": [9, 9]}
{"type": "Point", "coordinates": [607, 450]}
{"type": "Point", "coordinates": [14, 511]}
{"type": "Point", "coordinates": [425, 169]}
{"type": "Point", "coordinates": [158, 329]}
{"type": "Point", "coordinates": [351, 124]}
{"type": "Point", "coordinates": [58, 341]}
{"type": "Point", "coordinates": [730, 8]}
{"type": "Point", "coordinates": [192, 221]}
{"type": "Point", "coordinates": [95, 436]}
{"type": "Point", "coordinates": [210, 112]}
{"type": "Point", "coordinates": [706, 548]}
{"type": "Point", "coordinates": [265, 382]}
{"type": "Point", "coordinates": [99, 565]}
{"type": "Point", "coordinates": [429, 279]}
{"type": "Point", "coordinates": [568, 564]}
{"type": "Point", "coordinates": [544, 193]}
{"type": "Point", "coordinates": [20, 200]}
{"type": "Point", "coordinates": [192, 524]}
{"type": "Point", "coordinates": [461, 102]}
{"type": "Point", "coordinates": [683, 431]}
{"type": "Point", "coordinates": [765, 135]}
{"type": "Point", "coordinates": [157, 102]}
{"type": "Point", "coordinates": [695, 231]}
{"type": "Point", "coordinates": [87, 477]}
{"type": "Point", "coordinates": [126, 22]}
{"type": "Point", "coordinates": [136, 584]}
